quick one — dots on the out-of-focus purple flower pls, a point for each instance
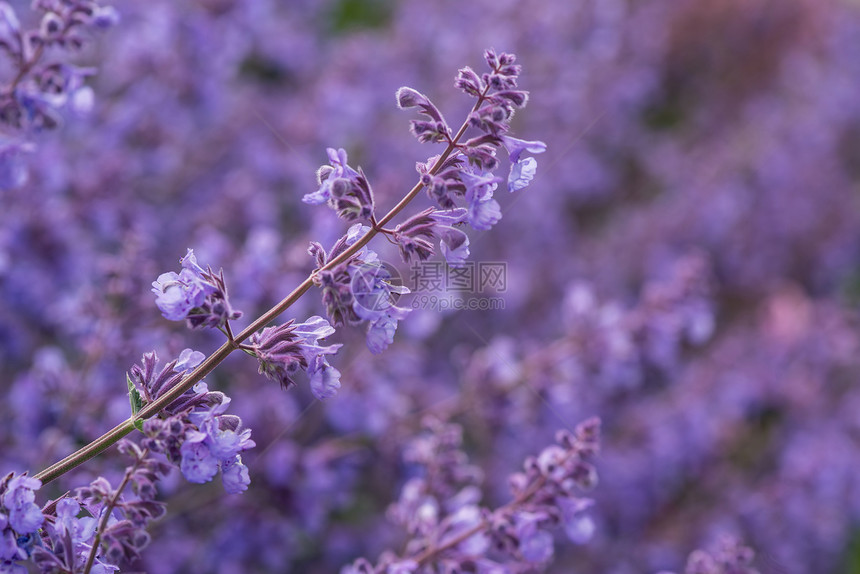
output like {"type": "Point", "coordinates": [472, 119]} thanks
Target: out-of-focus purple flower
{"type": "Point", "coordinates": [535, 544]}
{"type": "Point", "coordinates": [234, 475]}
{"type": "Point", "coordinates": [578, 525]}
{"type": "Point", "coordinates": [9, 24]}
{"type": "Point", "coordinates": [105, 16]}
{"type": "Point", "coordinates": [731, 558]}
{"type": "Point", "coordinates": [438, 508]}
{"type": "Point", "coordinates": [40, 88]}
{"type": "Point", "coordinates": [13, 164]}
{"type": "Point", "coordinates": [17, 496]}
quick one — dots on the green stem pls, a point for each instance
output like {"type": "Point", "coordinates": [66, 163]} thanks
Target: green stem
{"type": "Point", "coordinates": [208, 365]}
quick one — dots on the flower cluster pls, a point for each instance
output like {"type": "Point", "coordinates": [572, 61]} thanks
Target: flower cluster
{"type": "Point", "coordinates": [450, 532]}
{"type": "Point", "coordinates": [290, 347]}
{"type": "Point", "coordinates": [731, 558]}
{"type": "Point", "coordinates": [113, 530]}
{"type": "Point", "coordinates": [362, 288]}
{"type": "Point", "coordinates": [413, 235]}
{"type": "Point", "coordinates": [344, 189]}
{"type": "Point", "coordinates": [452, 178]}
{"type": "Point", "coordinates": [721, 127]}
{"type": "Point", "coordinates": [41, 88]}
{"type": "Point", "coordinates": [196, 295]}
{"type": "Point", "coordinates": [20, 520]}
{"type": "Point", "coordinates": [194, 432]}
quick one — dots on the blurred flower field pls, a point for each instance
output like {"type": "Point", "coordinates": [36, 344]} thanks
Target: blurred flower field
{"type": "Point", "coordinates": [684, 266]}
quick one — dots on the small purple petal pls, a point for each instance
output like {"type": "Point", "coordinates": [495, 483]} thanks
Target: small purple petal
{"type": "Point", "coordinates": [522, 173]}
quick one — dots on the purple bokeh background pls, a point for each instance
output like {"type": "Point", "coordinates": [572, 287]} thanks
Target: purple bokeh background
{"type": "Point", "coordinates": [684, 265]}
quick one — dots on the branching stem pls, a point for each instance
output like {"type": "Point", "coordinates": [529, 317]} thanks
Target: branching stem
{"type": "Point", "coordinates": [233, 343]}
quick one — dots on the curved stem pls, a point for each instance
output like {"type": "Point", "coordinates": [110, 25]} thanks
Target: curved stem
{"type": "Point", "coordinates": [434, 550]}
{"type": "Point", "coordinates": [208, 365]}
{"type": "Point", "coordinates": [106, 512]}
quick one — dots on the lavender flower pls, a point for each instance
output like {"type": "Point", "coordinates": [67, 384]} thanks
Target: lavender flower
{"type": "Point", "coordinates": [13, 162]}
{"type": "Point", "coordinates": [17, 499]}
{"type": "Point", "coordinates": [286, 349]}
{"type": "Point", "coordinates": [40, 89]}
{"type": "Point", "coordinates": [343, 188]}
{"type": "Point", "coordinates": [451, 531]}
{"type": "Point", "coordinates": [452, 180]}
{"type": "Point", "coordinates": [20, 519]}
{"type": "Point", "coordinates": [357, 290]}
{"type": "Point", "coordinates": [731, 558]}
{"type": "Point", "coordinates": [115, 529]}
{"type": "Point", "coordinates": [483, 211]}
{"type": "Point", "coordinates": [522, 170]}
{"type": "Point", "coordinates": [199, 296]}
{"type": "Point", "coordinates": [434, 130]}
{"type": "Point", "coordinates": [195, 433]}
{"type": "Point", "coordinates": [71, 540]}
{"type": "Point", "coordinates": [454, 242]}
{"type": "Point", "coordinates": [413, 236]}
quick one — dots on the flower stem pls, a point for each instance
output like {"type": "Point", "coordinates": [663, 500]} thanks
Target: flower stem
{"type": "Point", "coordinates": [208, 365]}
{"type": "Point", "coordinates": [106, 511]}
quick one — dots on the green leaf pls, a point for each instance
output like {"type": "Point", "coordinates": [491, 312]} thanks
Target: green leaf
{"type": "Point", "coordinates": [350, 15]}
{"type": "Point", "coordinates": [135, 401]}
